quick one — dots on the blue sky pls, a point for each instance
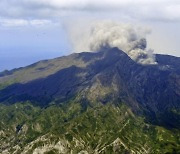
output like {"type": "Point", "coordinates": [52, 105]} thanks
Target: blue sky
{"type": "Point", "coordinates": [32, 30]}
{"type": "Point", "coordinates": [23, 45]}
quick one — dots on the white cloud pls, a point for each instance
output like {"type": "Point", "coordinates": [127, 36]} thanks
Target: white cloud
{"type": "Point", "coordinates": [15, 13]}
{"type": "Point", "coordinates": [23, 22]}
{"type": "Point", "coordinates": [39, 22]}
{"type": "Point", "coordinates": [141, 9]}
{"type": "Point", "coordinates": [13, 22]}
{"type": "Point", "coordinates": [173, 11]}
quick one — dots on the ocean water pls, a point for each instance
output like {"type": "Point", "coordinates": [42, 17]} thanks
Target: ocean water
{"type": "Point", "coordinates": [12, 60]}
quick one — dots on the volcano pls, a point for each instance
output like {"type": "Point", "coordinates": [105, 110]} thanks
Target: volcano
{"type": "Point", "coordinates": [100, 102]}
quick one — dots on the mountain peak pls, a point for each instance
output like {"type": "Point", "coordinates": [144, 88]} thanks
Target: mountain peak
{"type": "Point", "coordinates": [96, 101]}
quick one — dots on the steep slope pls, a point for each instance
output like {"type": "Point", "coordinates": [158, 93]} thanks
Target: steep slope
{"type": "Point", "coordinates": [103, 76]}
{"type": "Point", "coordinates": [84, 101]}
{"type": "Point", "coordinates": [60, 83]}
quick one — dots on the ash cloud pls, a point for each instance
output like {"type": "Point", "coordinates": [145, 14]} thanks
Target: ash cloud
{"type": "Point", "coordinates": [128, 38]}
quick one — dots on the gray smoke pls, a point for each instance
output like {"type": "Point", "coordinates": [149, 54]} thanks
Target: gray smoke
{"type": "Point", "coordinates": [126, 37]}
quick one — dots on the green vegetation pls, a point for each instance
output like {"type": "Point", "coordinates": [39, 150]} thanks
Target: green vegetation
{"type": "Point", "coordinates": [6, 84]}
{"type": "Point", "coordinates": [103, 128]}
{"type": "Point", "coordinates": [40, 69]}
{"type": "Point", "coordinates": [97, 121]}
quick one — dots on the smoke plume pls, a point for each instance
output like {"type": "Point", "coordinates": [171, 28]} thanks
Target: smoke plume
{"type": "Point", "coordinates": [98, 35]}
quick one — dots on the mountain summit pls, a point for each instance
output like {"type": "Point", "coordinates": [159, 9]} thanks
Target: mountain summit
{"type": "Point", "coordinates": [102, 102]}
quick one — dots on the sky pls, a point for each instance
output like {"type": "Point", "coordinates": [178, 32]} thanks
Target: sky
{"type": "Point", "coordinates": [32, 30]}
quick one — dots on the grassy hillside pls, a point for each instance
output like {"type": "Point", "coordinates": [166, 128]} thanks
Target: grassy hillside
{"type": "Point", "coordinates": [76, 127]}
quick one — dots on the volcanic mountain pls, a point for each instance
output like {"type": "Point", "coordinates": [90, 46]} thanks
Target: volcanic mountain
{"type": "Point", "coordinates": [101, 102]}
